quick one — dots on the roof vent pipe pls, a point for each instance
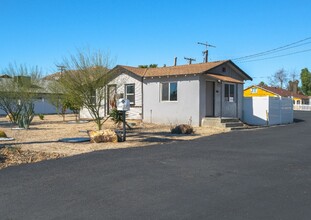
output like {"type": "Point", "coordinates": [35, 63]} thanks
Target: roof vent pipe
{"type": "Point", "coordinates": [175, 61]}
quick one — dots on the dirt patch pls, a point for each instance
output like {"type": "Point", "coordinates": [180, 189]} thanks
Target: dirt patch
{"type": "Point", "coordinates": [11, 156]}
{"type": "Point", "coordinates": [40, 142]}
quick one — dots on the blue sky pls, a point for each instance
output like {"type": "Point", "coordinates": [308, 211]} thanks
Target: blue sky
{"type": "Point", "coordinates": [42, 32]}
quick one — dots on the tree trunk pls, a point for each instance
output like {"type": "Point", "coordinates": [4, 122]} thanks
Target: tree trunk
{"type": "Point", "coordinates": [99, 124]}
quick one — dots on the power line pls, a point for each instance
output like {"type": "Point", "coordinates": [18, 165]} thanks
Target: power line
{"type": "Point", "coordinates": [278, 49]}
{"type": "Point", "coordinates": [268, 53]}
{"type": "Point", "coordinates": [283, 55]}
{"type": "Point", "coordinates": [260, 77]}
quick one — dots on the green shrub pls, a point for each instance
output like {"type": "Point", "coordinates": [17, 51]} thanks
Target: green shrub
{"type": "Point", "coordinates": [41, 116]}
{"type": "Point", "coordinates": [2, 134]}
{"type": "Point", "coordinates": [116, 116]}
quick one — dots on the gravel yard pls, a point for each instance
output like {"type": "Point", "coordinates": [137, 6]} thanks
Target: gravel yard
{"type": "Point", "coordinates": [40, 142]}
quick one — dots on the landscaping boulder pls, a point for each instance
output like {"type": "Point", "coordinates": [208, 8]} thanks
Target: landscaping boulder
{"type": "Point", "coordinates": [107, 135]}
{"type": "Point", "coordinates": [2, 134]}
{"type": "Point", "coordinates": [182, 129]}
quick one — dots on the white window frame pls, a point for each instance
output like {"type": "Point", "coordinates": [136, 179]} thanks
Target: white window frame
{"type": "Point", "coordinates": [169, 91]}
{"type": "Point", "coordinates": [229, 98]}
{"type": "Point", "coordinates": [126, 93]}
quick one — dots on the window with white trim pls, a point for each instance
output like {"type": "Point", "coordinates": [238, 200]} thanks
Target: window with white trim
{"type": "Point", "coordinates": [130, 93]}
{"type": "Point", "coordinates": [169, 91]}
{"type": "Point", "coordinates": [254, 90]}
{"type": "Point", "coordinates": [229, 92]}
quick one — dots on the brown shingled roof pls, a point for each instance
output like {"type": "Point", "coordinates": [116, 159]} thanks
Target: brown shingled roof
{"type": "Point", "coordinates": [173, 70]}
{"type": "Point", "coordinates": [136, 70]}
{"type": "Point", "coordinates": [283, 92]}
{"type": "Point", "coordinates": [181, 70]}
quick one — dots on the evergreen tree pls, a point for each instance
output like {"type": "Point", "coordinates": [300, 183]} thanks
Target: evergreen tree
{"type": "Point", "coordinates": [305, 77]}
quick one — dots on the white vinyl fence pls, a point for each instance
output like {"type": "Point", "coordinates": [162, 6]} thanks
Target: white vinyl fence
{"type": "Point", "coordinates": [302, 107]}
{"type": "Point", "coordinates": [267, 110]}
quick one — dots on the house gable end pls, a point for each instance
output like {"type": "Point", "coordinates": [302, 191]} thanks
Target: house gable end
{"type": "Point", "coordinates": [260, 92]}
{"type": "Point", "coordinates": [229, 69]}
{"type": "Point", "coordinates": [118, 70]}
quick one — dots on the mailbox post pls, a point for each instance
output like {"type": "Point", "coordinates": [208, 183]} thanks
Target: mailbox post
{"type": "Point", "coordinates": [123, 105]}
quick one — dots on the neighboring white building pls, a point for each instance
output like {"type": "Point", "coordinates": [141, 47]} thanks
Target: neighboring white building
{"type": "Point", "coordinates": [40, 100]}
{"type": "Point", "coordinates": [179, 94]}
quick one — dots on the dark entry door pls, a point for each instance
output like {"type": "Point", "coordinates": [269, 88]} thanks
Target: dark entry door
{"type": "Point", "coordinates": [210, 88]}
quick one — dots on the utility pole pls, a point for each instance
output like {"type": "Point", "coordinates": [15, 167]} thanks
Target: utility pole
{"type": "Point", "coordinates": [205, 52]}
{"type": "Point", "coordinates": [61, 68]}
{"type": "Point", "coordinates": [189, 59]}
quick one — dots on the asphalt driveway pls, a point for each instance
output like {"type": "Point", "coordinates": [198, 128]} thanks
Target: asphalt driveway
{"type": "Point", "coordinates": [252, 174]}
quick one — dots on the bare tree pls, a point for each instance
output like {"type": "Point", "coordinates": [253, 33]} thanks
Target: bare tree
{"type": "Point", "coordinates": [84, 81]}
{"type": "Point", "coordinates": [61, 100]}
{"type": "Point", "coordinates": [17, 93]}
{"type": "Point", "coordinates": [279, 78]}
{"type": "Point", "coordinates": [293, 76]}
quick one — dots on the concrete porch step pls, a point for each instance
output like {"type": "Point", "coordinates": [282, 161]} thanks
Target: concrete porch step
{"type": "Point", "coordinates": [228, 123]}
{"type": "Point", "coordinates": [226, 120]}
{"type": "Point", "coordinates": [233, 124]}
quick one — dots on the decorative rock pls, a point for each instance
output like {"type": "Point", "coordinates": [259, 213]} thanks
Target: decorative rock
{"type": "Point", "coordinates": [107, 135]}
{"type": "Point", "coordinates": [2, 134]}
{"type": "Point", "coordinates": [182, 129]}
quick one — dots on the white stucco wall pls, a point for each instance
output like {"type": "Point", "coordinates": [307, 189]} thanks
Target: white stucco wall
{"type": "Point", "coordinates": [123, 79]}
{"type": "Point", "coordinates": [184, 110]}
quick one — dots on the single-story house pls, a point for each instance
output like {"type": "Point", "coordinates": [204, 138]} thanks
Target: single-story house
{"type": "Point", "coordinates": [255, 91]}
{"type": "Point", "coordinates": [179, 94]}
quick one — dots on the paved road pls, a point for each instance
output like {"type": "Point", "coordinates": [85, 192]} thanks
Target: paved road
{"type": "Point", "coordinates": [255, 174]}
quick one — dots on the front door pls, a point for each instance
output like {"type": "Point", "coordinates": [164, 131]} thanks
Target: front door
{"type": "Point", "coordinates": [111, 97]}
{"type": "Point", "coordinates": [210, 88]}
